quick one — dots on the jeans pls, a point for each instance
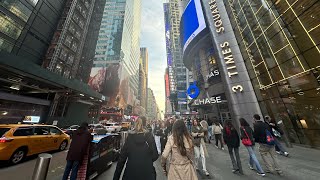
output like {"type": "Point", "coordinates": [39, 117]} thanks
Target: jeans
{"type": "Point", "coordinates": [210, 132]}
{"type": "Point", "coordinates": [236, 163]}
{"type": "Point", "coordinates": [253, 161]}
{"type": "Point", "coordinates": [218, 137]}
{"type": "Point", "coordinates": [266, 151]}
{"type": "Point", "coordinates": [279, 146]}
{"type": "Point", "coordinates": [74, 166]}
{"type": "Point", "coordinates": [199, 154]}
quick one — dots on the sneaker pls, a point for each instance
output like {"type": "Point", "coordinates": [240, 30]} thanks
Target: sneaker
{"type": "Point", "coordinates": [286, 154]}
{"type": "Point", "coordinates": [251, 167]}
{"type": "Point", "coordinates": [222, 148]}
{"type": "Point", "coordinates": [216, 146]}
{"type": "Point", "coordinates": [235, 170]}
{"type": "Point", "coordinates": [261, 174]}
{"type": "Point", "coordinates": [278, 152]}
{"type": "Point", "coordinates": [206, 172]}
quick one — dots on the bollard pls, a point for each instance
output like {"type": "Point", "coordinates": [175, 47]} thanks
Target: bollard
{"type": "Point", "coordinates": [42, 165]}
{"type": "Point", "coordinates": [124, 135]}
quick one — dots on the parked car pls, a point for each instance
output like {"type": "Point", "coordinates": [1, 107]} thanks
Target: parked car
{"type": "Point", "coordinates": [20, 140]}
{"type": "Point", "coordinates": [70, 130]}
{"type": "Point", "coordinates": [126, 125]}
{"type": "Point", "coordinates": [98, 129]}
{"type": "Point", "coordinates": [113, 127]}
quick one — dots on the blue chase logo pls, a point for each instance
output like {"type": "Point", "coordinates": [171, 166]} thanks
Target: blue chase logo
{"type": "Point", "coordinates": [193, 90]}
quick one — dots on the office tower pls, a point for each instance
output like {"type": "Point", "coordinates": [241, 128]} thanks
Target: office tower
{"type": "Point", "coordinates": [115, 71]}
{"type": "Point", "coordinates": [152, 106]}
{"type": "Point", "coordinates": [177, 71]}
{"type": "Point", "coordinates": [143, 77]}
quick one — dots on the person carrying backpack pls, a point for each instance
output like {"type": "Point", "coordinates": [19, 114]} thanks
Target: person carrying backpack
{"type": "Point", "coordinates": [263, 136]}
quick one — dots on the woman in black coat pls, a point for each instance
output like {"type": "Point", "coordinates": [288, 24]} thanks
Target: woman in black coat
{"type": "Point", "coordinates": [231, 138]}
{"type": "Point", "coordinates": [139, 151]}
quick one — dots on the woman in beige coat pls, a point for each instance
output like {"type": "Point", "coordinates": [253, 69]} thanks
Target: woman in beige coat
{"type": "Point", "coordinates": [180, 147]}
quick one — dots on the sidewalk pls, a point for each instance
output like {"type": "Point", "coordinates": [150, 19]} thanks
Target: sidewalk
{"type": "Point", "coordinates": [302, 164]}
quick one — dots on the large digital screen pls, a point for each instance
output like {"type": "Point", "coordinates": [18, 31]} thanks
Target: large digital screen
{"type": "Point", "coordinates": [192, 22]}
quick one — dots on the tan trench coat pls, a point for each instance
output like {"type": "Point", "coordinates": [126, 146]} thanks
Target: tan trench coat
{"type": "Point", "coordinates": [180, 167]}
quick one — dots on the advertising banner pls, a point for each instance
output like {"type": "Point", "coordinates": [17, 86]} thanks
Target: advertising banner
{"type": "Point", "coordinates": [167, 29]}
{"type": "Point", "coordinates": [97, 77]}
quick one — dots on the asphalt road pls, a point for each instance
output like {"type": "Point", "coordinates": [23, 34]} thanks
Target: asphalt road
{"type": "Point", "coordinates": [302, 164]}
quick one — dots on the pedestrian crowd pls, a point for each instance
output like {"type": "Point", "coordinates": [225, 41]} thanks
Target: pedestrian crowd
{"type": "Point", "coordinates": [181, 144]}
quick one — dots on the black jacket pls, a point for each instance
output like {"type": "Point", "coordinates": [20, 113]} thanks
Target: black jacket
{"type": "Point", "coordinates": [231, 140]}
{"type": "Point", "coordinates": [210, 122]}
{"type": "Point", "coordinates": [157, 130]}
{"type": "Point", "coordinates": [140, 152]}
{"type": "Point", "coordinates": [249, 131]}
{"type": "Point", "coordinates": [80, 143]}
{"type": "Point", "coordinates": [259, 133]}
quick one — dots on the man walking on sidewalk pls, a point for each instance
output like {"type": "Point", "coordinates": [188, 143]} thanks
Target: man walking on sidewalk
{"type": "Point", "coordinates": [265, 139]}
{"type": "Point", "coordinates": [200, 150]}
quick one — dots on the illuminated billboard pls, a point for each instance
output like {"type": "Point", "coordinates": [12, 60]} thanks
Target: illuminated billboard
{"type": "Point", "coordinates": [192, 22]}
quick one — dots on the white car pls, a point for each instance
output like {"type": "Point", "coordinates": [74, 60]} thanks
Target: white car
{"type": "Point", "coordinates": [113, 127]}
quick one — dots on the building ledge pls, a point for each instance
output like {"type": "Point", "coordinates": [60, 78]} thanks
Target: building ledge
{"type": "Point", "coordinates": [21, 66]}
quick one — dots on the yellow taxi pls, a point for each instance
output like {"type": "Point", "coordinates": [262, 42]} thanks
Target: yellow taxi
{"type": "Point", "coordinates": [20, 140]}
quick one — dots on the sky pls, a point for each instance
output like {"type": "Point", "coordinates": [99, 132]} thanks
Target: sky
{"type": "Point", "coordinates": [153, 37]}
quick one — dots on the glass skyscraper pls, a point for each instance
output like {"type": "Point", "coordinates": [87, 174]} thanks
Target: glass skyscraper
{"type": "Point", "coordinates": [116, 64]}
{"type": "Point", "coordinates": [280, 43]}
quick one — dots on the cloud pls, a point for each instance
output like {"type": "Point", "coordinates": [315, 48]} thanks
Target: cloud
{"type": "Point", "coordinates": [153, 37]}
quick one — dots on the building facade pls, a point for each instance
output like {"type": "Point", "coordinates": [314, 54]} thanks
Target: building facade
{"type": "Point", "coordinates": [143, 76]}
{"type": "Point", "coordinates": [264, 61]}
{"type": "Point", "coordinates": [178, 74]}
{"type": "Point", "coordinates": [152, 106]}
{"type": "Point", "coordinates": [115, 72]}
{"type": "Point", "coordinates": [279, 41]}
{"type": "Point", "coordinates": [29, 32]}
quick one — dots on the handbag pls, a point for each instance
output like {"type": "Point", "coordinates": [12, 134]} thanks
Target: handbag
{"type": "Point", "coordinates": [246, 140]}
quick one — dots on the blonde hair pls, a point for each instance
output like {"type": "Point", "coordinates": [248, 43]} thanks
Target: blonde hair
{"type": "Point", "coordinates": [139, 126]}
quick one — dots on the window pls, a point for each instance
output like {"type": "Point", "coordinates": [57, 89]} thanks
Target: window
{"type": "Point", "coordinates": [23, 131]}
{"type": "Point", "coordinates": [68, 41]}
{"type": "Point", "coordinates": [63, 54]}
{"type": "Point", "coordinates": [70, 59]}
{"type": "Point", "coordinates": [5, 45]}
{"type": "Point", "coordinates": [17, 8]}
{"type": "Point", "coordinates": [55, 131]}
{"type": "Point", "coordinates": [41, 131]}
{"type": "Point", "coordinates": [9, 27]}
{"type": "Point", "coordinates": [74, 46]}
{"type": "Point", "coordinates": [3, 131]}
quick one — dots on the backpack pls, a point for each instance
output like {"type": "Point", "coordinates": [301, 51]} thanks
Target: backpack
{"type": "Point", "coordinates": [269, 138]}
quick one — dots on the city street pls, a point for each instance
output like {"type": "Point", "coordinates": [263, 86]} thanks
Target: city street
{"type": "Point", "coordinates": [303, 163]}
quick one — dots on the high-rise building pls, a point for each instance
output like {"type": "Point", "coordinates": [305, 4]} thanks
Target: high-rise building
{"type": "Point", "coordinates": [39, 59]}
{"type": "Point", "coordinates": [143, 77]}
{"type": "Point", "coordinates": [152, 106]}
{"type": "Point", "coordinates": [178, 74]}
{"type": "Point", "coordinates": [115, 72]}
{"type": "Point", "coordinates": [256, 57]}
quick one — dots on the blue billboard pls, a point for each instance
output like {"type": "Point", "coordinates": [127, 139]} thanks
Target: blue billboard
{"type": "Point", "coordinates": [192, 22]}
